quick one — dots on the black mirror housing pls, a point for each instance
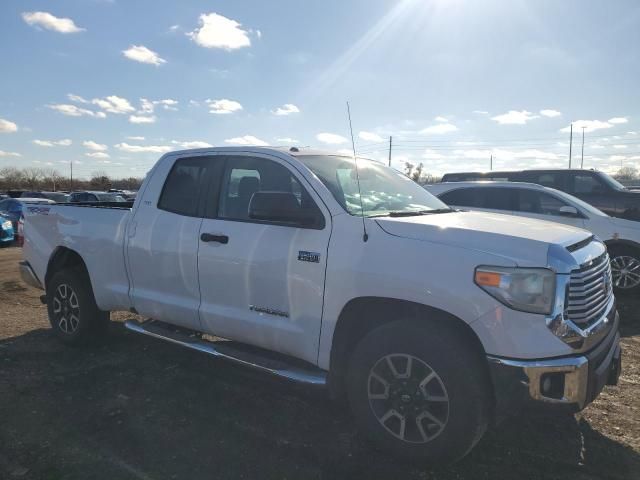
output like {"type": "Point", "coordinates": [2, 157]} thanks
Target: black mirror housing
{"type": "Point", "coordinates": [283, 207]}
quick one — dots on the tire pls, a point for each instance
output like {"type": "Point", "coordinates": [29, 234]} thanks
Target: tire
{"type": "Point", "coordinates": [73, 313]}
{"type": "Point", "coordinates": [625, 269]}
{"type": "Point", "coordinates": [447, 392]}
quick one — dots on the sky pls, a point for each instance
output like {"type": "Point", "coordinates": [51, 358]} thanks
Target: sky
{"type": "Point", "coordinates": [111, 85]}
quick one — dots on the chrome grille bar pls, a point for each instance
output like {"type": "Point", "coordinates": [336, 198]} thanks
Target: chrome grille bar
{"type": "Point", "coordinates": [590, 290]}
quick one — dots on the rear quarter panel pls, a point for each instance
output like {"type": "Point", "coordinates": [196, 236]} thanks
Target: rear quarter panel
{"type": "Point", "coordinates": [96, 234]}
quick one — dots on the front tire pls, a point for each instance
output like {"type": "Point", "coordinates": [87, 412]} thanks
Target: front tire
{"type": "Point", "coordinates": [625, 269]}
{"type": "Point", "coordinates": [73, 313]}
{"type": "Point", "coordinates": [419, 391]}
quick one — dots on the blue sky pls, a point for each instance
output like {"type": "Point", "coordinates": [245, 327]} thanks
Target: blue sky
{"type": "Point", "coordinates": [112, 84]}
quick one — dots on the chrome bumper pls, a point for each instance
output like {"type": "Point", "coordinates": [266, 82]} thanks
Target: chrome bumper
{"type": "Point", "coordinates": [573, 382]}
{"type": "Point", "coordinates": [28, 275]}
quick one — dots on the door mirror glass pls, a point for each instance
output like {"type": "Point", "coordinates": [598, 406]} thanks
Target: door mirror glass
{"type": "Point", "coordinates": [568, 211]}
{"type": "Point", "coordinates": [280, 207]}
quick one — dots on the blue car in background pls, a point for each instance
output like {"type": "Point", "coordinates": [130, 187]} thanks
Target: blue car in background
{"type": "Point", "coordinates": [12, 208]}
{"type": "Point", "coordinates": [6, 231]}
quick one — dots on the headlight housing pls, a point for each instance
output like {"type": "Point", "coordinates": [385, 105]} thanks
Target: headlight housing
{"type": "Point", "coordinates": [6, 225]}
{"type": "Point", "coordinates": [530, 290]}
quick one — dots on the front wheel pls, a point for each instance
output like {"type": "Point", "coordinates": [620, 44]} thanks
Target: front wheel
{"type": "Point", "coordinates": [625, 269]}
{"type": "Point", "coordinates": [73, 313]}
{"type": "Point", "coordinates": [419, 392]}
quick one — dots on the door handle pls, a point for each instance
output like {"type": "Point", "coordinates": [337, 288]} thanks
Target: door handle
{"type": "Point", "coordinates": [209, 237]}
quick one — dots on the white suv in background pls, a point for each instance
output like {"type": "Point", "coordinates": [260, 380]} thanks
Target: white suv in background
{"type": "Point", "coordinates": [535, 201]}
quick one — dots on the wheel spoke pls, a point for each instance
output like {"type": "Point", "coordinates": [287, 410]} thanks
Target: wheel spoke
{"type": "Point", "coordinates": [62, 291]}
{"type": "Point", "coordinates": [63, 324]}
{"type": "Point", "coordinates": [57, 306]}
{"type": "Point", "coordinates": [378, 396]}
{"type": "Point", "coordinates": [401, 418]}
{"type": "Point", "coordinates": [73, 300]}
{"type": "Point", "coordinates": [73, 320]}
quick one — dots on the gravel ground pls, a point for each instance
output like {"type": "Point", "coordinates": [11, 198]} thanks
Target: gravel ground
{"type": "Point", "coordinates": [136, 408]}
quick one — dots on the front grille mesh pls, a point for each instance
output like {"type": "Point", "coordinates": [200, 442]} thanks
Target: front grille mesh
{"type": "Point", "coordinates": [590, 290]}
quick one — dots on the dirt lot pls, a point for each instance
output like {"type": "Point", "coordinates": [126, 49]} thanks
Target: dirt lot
{"type": "Point", "coordinates": [142, 409]}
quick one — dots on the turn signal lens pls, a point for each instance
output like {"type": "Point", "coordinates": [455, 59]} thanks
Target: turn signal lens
{"type": "Point", "coordinates": [488, 279]}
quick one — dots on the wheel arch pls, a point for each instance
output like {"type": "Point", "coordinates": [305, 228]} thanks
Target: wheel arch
{"type": "Point", "coordinates": [620, 242]}
{"type": "Point", "coordinates": [363, 314]}
{"type": "Point", "coordinates": [61, 258]}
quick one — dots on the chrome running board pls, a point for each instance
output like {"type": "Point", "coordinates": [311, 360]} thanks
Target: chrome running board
{"type": "Point", "coordinates": [258, 359]}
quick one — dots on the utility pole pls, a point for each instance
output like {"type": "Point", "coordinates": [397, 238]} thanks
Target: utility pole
{"type": "Point", "coordinates": [582, 154]}
{"type": "Point", "coordinates": [390, 144]}
{"type": "Point", "coordinates": [491, 163]}
{"type": "Point", "coordinates": [71, 178]}
{"type": "Point", "coordinates": [570, 143]}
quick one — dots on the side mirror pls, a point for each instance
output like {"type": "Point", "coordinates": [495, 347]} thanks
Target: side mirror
{"type": "Point", "coordinates": [282, 207]}
{"type": "Point", "coordinates": [568, 211]}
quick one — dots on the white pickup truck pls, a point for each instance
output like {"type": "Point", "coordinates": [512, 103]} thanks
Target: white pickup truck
{"type": "Point", "coordinates": [432, 322]}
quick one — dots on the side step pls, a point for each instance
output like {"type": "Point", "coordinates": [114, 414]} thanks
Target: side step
{"type": "Point", "coordinates": [256, 358]}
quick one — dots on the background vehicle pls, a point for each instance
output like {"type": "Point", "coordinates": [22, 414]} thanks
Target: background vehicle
{"type": "Point", "coordinates": [13, 208]}
{"type": "Point", "coordinates": [430, 321]}
{"type": "Point", "coordinates": [58, 197]}
{"type": "Point", "coordinates": [594, 187]}
{"type": "Point", "coordinates": [93, 196]}
{"type": "Point", "coordinates": [6, 231]}
{"type": "Point", "coordinates": [126, 194]}
{"type": "Point", "coordinates": [535, 201]}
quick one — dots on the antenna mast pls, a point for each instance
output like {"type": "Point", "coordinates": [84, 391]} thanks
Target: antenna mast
{"type": "Point", "coordinates": [365, 236]}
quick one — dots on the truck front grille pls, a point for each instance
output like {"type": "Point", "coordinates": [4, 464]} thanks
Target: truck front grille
{"type": "Point", "coordinates": [590, 290]}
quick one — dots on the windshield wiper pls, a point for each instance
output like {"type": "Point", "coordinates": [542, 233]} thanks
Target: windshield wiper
{"type": "Point", "coordinates": [414, 213]}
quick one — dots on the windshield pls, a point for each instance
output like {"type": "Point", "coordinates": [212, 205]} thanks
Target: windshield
{"type": "Point", "coordinates": [612, 182]}
{"type": "Point", "coordinates": [384, 190]}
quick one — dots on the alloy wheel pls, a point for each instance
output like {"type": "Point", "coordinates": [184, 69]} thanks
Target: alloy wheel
{"type": "Point", "coordinates": [66, 309]}
{"type": "Point", "coordinates": [408, 398]}
{"type": "Point", "coordinates": [625, 272]}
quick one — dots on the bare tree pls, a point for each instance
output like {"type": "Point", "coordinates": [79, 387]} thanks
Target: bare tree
{"type": "Point", "coordinates": [100, 181]}
{"type": "Point", "coordinates": [627, 173]}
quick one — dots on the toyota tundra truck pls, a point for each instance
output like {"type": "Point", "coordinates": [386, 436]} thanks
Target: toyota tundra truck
{"type": "Point", "coordinates": [343, 274]}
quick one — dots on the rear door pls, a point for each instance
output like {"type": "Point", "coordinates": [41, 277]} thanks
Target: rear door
{"type": "Point", "coordinates": [262, 282]}
{"type": "Point", "coordinates": [162, 245]}
{"type": "Point", "coordinates": [588, 186]}
{"type": "Point", "coordinates": [488, 199]}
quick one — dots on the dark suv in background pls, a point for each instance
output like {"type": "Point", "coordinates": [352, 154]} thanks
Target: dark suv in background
{"type": "Point", "coordinates": [592, 186]}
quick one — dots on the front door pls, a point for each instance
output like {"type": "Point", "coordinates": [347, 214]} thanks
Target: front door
{"type": "Point", "coordinates": [544, 206]}
{"type": "Point", "coordinates": [262, 282]}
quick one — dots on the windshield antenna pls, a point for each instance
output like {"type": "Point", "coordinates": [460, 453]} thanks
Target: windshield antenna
{"type": "Point", "coordinates": [365, 235]}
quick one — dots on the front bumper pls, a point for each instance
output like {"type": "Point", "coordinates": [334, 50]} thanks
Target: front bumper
{"type": "Point", "coordinates": [567, 383]}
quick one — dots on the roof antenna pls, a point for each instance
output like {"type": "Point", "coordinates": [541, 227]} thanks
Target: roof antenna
{"type": "Point", "coordinates": [365, 235]}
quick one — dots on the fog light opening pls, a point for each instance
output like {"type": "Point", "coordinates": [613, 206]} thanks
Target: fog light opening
{"type": "Point", "coordinates": [552, 385]}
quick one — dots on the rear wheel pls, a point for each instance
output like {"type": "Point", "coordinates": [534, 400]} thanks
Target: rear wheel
{"type": "Point", "coordinates": [625, 269]}
{"type": "Point", "coordinates": [73, 313]}
{"type": "Point", "coordinates": [418, 392]}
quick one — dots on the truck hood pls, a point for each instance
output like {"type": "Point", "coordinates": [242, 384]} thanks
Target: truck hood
{"type": "Point", "coordinates": [524, 241]}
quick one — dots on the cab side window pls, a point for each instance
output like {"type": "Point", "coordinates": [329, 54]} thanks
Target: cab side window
{"type": "Point", "coordinates": [184, 184]}
{"type": "Point", "coordinates": [461, 197]}
{"type": "Point", "coordinates": [541, 203]}
{"type": "Point", "coordinates": [586, 184]}
{"type": "Point", "coordinates": [245, 176]}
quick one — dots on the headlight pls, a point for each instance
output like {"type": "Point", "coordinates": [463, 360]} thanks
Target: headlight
{"type": "Point", "coordinates": [527, 289]}
{"type": "Point", "coordinates": [6, 225]}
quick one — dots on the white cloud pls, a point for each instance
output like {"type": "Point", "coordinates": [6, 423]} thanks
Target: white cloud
{"type": "Point", "coordinates": [589, 126]}
{"type": "Point", "coordinates": [550, 113]}
{"type": "Point", "coordinates": [52, 143]}
{"type": "Point", "coordinates": [286, 109]}
{"type": "Point", "coordinates": [439, 129]}
{"type": "Point", "coordinates": [9, 154]}
{"type": "Point", "coordinates": [142, 119]}
{"type": "Point", "coordinates": [370, 137]}
{"type": "Point", "coordinates": [137, 138]}
{"type": "Point", "coordinates": [167, 103]}
{"type": "Point", "coordinates": [618, 120]}
{"type": "Point", "coordinates": [174, 28]}
{"type": "Point", "coordinates": [50, 22]}
{"type": "Point", "coordinates": [193, 144]}
{"type": "Point", "coordinates": [140, 53]}
{"type": "Point", "coordinates": [74, 110]}
{"type": "Point", "coordinates": [287, 140]}
{"type": "Point", "coordinates": [480, 112]}
{"type": "Point", "coordinates": [114, 104]}
{"type": "Point", "coordinates": [331, 138]}
{"type": "Point", "coordinates": [514, 117]}
{"type": "Point", "coordinates": [217, 31]}
{"type": "Point", "coordinates": [223, 106]}
{"type": "Point", "coordinates": [76, 98]}
{"type": "Point", "coordinates": [7, 127]}
{"type": "Point", "coordinates": [441, 119]}
{"type": "Point", "coordinates": [96, 147]}
{"type": "Point", "coordinates": [432, 155]}
{"type": "Point", "coordinates": [97, 155]}
{"type": "Point", "coordinates": [125, 147]}
{"type": "Point", "coordinates": [620, 147]}
{"type": "Point", "coordinates": [246, 140]}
